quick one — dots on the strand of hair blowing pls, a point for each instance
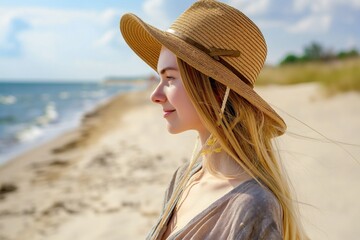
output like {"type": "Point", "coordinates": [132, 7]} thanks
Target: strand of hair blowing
{"type": "Point", "coordinates": [245, 133]}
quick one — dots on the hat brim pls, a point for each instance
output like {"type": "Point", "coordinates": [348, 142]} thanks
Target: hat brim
{"type": "Point", "coordinates": [146, 41]}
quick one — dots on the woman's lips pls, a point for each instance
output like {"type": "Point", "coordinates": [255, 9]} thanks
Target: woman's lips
{"type": "Point", "coordinates": [168, 112]}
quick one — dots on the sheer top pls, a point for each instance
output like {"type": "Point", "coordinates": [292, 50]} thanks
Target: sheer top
{"type": "Point", "coordinates": [248, 211]}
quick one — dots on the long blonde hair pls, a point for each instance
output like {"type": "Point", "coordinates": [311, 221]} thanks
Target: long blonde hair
{"type": "Point", "coordinates": [246, 134]}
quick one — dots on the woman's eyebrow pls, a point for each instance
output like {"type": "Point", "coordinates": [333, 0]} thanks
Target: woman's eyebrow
{"type": "Point", "coordinates": [162, 71]}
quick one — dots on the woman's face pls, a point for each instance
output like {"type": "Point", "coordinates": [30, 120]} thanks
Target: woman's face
{"type": "Point", "coordinates": [178, 110]}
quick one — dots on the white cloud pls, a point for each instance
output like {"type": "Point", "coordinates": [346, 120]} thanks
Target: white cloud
{"type": "Point", "coordinates": [47, 16]}
{"type": "Point", "coordinates": [320, 14]}
{"type": "Point", "coordinates": [355, 3]}
{"type": "Point", "coordinates": [110, 16]}
{"type": "Point", "coordinates": [269, 23]}
{"type": "Point", "coordinates": [4, 25]}
{"type": "Point", "coordinates": [12, 30]}
{"type": "Point", "coordinates": [155, 10]}
{"type": "Point", "coordinates": [52, 23]}
{"type": "Point", "coordinates": [312, 23]}
{"type": "Point", "coordinates": [251, 7]}
{"type": "Point", "coordinates": [317, 6]}
{"type": "Point", "coordinates": [57, 20]}
{"type": "Point", "coordinates": [106, 39]}
{"type": "Point", "coordinates": [62, 43]}
{"type": "Point", "coordinates": [110, 38]}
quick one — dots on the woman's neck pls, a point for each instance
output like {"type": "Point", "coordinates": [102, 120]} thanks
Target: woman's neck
{"type": "Point", "coordinates": [223, 163]}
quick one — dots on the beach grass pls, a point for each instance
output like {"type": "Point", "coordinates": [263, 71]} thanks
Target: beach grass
{"type": "Point", "coordinates": [335, 76]}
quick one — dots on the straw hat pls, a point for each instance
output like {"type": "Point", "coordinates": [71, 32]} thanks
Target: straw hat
{"type": "Point", "coordinates": [214, 38]}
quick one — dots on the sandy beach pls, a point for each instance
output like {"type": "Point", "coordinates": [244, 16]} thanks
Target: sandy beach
{"type": "Point", "coordinates": [106, 179]}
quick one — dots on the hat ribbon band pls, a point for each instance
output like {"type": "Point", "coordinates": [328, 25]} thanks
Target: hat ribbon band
{"type": "Point", "coordinates": [215, 53]}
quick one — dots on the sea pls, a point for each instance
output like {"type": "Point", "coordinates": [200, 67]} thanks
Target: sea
{"type": "Point", "coordinates": [32, 113]}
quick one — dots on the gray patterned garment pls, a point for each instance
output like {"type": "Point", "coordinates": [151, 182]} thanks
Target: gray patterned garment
{"type": "Point", "coordinates": [248, 211]}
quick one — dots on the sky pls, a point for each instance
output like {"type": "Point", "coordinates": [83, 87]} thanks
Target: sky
{"type": "Point", "coordinates": [80, 40]}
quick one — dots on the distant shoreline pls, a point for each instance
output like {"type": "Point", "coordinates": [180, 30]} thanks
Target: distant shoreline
{"type": "Point", "coordinates": [132, 82]}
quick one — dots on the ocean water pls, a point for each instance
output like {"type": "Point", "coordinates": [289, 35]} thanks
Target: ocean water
{"type": "Point", "coordinates": [34, 112]}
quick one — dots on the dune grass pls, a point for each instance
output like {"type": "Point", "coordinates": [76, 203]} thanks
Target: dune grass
{"type": "Point", "coordinates": [336, 76]}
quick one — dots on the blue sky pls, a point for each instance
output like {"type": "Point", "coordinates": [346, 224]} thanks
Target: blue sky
{"type": "Point", "coordinates": [80, 40]}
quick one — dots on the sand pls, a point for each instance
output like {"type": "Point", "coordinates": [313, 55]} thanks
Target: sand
{"type": "Point", "coordinates": [106, 179]}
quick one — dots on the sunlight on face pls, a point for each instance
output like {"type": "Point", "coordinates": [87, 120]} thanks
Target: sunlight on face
{"type": "Point", "coordinates": [178, 109]}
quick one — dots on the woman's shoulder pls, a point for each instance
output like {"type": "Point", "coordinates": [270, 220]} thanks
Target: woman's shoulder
{"type": "Point", "coordinates": [256, 197]}
{"type": "Point", "coordinates": [256, 193]}
{"type": "Point", "coordinates": [253, 204]}
{"type": "Point", "coordinates": [254, 209]}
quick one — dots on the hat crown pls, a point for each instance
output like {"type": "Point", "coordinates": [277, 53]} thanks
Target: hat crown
{"type": "Point", "coordinates": [212, 24]}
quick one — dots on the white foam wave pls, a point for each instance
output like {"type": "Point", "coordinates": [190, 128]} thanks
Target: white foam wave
{"type": "Point", "coordinates": [7, 99]}
{"type": "Point", "coordinates": [36, 129]}
{"type": "Point", "coordinates": [50, 114]}
{"type": "Point", "coordinates": [29, 133]}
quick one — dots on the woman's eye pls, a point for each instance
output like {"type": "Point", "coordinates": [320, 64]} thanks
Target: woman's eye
{"type": "Point", "coordinates": [170, 78]}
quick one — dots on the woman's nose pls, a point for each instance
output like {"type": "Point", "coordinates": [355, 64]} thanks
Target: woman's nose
{"type": "Point", "coordinates": [158, 95]}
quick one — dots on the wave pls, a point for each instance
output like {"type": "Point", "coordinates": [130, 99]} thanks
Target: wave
{"type": "Point", "coordinates": [7, 99]}
{"type": "Point", "coordinates": [36, 129]}
{"type": "Point", "coordinates": [50, 115]}
{"type": "Point", "coordinates": [29, 133]}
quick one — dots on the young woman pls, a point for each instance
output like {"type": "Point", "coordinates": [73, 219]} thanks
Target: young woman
{"type": "Point", "coordinates": [233, 187]}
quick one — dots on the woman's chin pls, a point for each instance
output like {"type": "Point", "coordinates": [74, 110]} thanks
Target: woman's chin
{"type": "Point", "coordinates": [174, 130]}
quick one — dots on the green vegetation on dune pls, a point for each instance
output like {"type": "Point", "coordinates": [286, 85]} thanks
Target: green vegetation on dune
{"type": "Point", "coordinates": [335, 76]}
{"type": "Point", "coordinates": [316, 52]}
{"type": "Point", "coordinates": [336, 73]}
